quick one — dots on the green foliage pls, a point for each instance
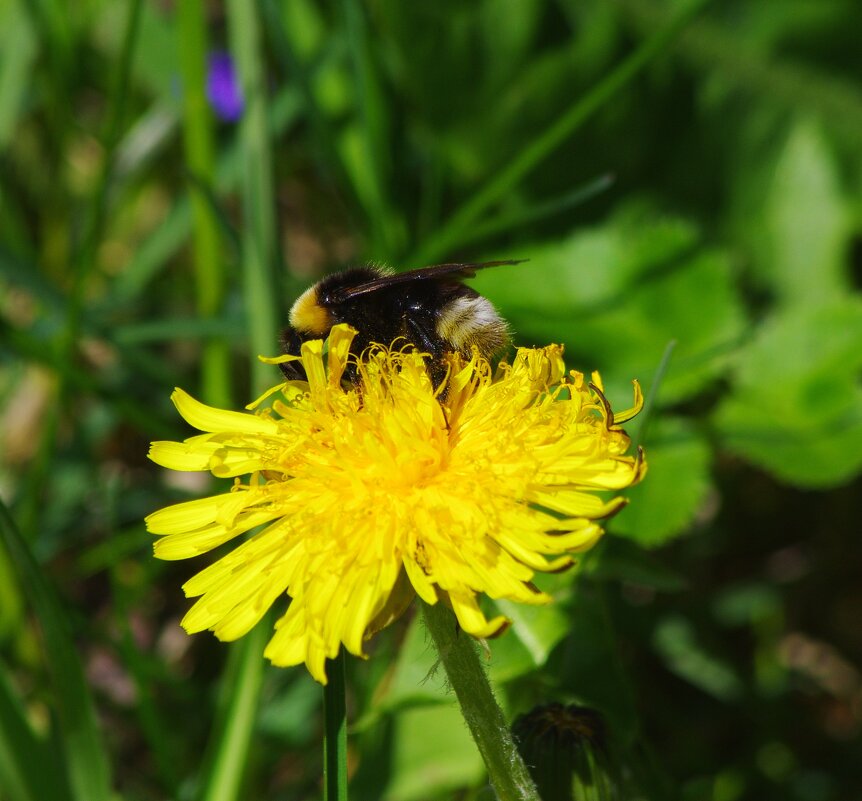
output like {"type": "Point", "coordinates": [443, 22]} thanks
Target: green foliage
{"type": "Point", "coordinates": [691, 194]}
{"type": "Point", "coordinates": [796, 403]}
{"type": "Point", "coordinates": [678, 487]}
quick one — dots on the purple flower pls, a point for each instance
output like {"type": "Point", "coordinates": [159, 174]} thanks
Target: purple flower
{"type": "Point", "coordinates": [223, 90]}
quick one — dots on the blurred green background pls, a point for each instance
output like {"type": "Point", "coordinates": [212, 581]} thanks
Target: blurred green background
{"type": "Point", "coordinates": [686, 180]}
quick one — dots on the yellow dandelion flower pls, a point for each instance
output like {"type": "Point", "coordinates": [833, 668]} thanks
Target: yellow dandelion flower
{"type": "Point", "coordinates": [366, 496]}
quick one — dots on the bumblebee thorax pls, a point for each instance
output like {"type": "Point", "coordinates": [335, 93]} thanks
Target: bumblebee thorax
{"type": "Point", "coordinates": [308, 316]}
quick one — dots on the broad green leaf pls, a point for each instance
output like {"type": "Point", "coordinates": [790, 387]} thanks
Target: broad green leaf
{"type": "Point", "coordinates": [412, 682]}
{"type": "Point", "coordinates": [618, 293]}
{"type": "Point", "coordinates": [83, 749]}
{"type": "Point", "coordinates": [528, 642]}
{"type": "Point", "coordinates": [796, 406]}
{"type": "Point", "coordinates": [535, 631]}
{"type": "Point", "coordinates": [285, 714]}
{"type": "Point", "coordinates": [521, 649]}
{"type": "Point", "coordinates": [590, 270]}
{"type": "Point", "coordinates": [433, 754]}
{"type": "Point", "coordinates": [808, 221]}
{"type": "Point", "coordinates": [675, 487]}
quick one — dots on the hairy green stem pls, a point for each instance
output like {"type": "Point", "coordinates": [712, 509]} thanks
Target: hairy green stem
{"type": "Point", "coordinates": [457, 651]}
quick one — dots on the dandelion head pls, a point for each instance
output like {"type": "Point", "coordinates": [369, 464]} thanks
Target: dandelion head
{"type": "Point", "coordinates": [363, 495]}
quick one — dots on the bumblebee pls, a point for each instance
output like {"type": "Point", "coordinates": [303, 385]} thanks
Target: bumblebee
{"type": "Point", "coordinates": [430, 308]}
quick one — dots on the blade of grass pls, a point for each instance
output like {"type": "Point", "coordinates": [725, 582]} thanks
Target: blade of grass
{"type": "Point", "coordinates": [16, 60]}
{"type": "Point", "coordinates": [50, 21]}
{"type": "Point", "coordinates": [83, 749]}
{"type": "Point", "coordinates": [241, 688]}
{"type": "Point", "coordinates": [234, 726]}
{"type": "Point", "coordinates": [174, 328]}
{"type": "Point", "coordinates": [457, 228]}
{"type": "Point", "coordinates": [289, 50]}
{"type": "Point", "coordinates": [367, 158]}
{"type": "Point", "coordinates": [26, 274]}
{"type": "Point", "coordinates": [335, 732]}
{"type": "Point", "coordinates": [84, 258]}
{"type": "Point", "coordinates": [652, 396]}
{"type": "Point", "coordinates": [199, 146]}
{"type": "Point", "coordinates": [171, 235]}
{"type": "Point", "coordinates": [126, 596]}
{"type": "Point", "coordinates": [259, 241]}
{"type": "Point", "coordinates": [509, 222]}
{"type": "Point", "coordinates": [11, 601]}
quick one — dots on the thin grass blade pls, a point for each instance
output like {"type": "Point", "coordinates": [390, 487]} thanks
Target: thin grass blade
{"type": "Point", "coordinates": [83, 748]}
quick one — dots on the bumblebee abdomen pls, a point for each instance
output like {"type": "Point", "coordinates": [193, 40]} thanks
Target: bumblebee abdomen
{"type": "Point", "coordinates": [471, 320]}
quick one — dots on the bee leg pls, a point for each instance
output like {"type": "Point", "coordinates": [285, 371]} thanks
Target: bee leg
{"type": "Point", "coordinates": [427, 341]}
{"type": "Point", "coordinates": [421, 337]}
{"type": "Point", "coordinates": [291, 342]}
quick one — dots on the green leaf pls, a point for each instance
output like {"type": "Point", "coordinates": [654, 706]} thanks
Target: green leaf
{"type": "Point", "coordinates": [618, 293]}
{"type": "Point", "coordinates": [796, 406]}
{"type": "Point", "coordinates": [83, 749]}
{"type": "Point", "coordinates": [675, 487]}
{"type": "Point", "coordinates": [528, 642]}
{"type": "Point", "coordinates": [433, 754]}
{"type": "Point", "coordinates": [410, 683]}
{"type": "Point", "coordinates": [808, 221]}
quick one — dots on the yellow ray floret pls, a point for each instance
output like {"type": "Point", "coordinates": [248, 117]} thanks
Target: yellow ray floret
{"type": "Point", "coordinates": [361, 496]}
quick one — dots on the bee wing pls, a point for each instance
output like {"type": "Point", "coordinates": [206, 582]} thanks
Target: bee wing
{"type": "Point", "coordinates": [436, 272]}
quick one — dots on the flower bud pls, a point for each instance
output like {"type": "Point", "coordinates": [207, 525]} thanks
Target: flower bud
{"type": "Point", "coordinates": [565, 751]}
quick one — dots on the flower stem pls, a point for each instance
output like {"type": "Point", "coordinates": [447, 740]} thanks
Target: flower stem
{"type": "Point", "coordinates": [335, 733]}
{"type": "Point", "coordinates": [457, 651]}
